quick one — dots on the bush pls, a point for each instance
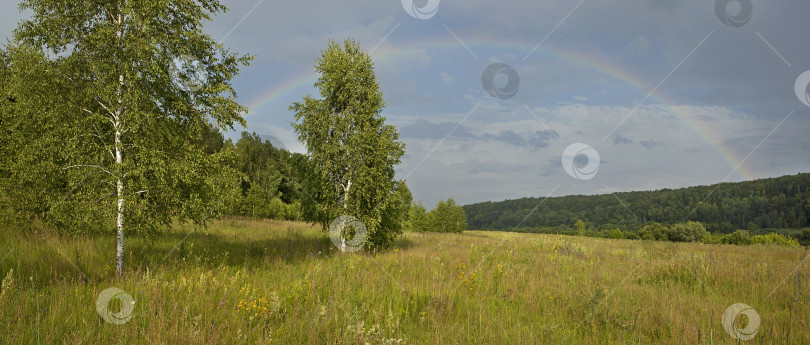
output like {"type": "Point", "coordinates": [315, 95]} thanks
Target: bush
{"type": "Point", "coordinates": [688, 232]}
{"type": "Point", "coordinates": [616, 234]}
{"type": "Point", "coordinates": [446, 217]}
{"type": "Point", "coordinates": [654, 232]}
{"type": "Point", "coordinates": [775, 239]}
{"type": "Point", "coordinates": [739, 237]}
{"type": "Point", "coordinates": [743, 237]}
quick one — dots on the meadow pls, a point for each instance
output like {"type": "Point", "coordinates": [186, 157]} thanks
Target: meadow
{"type": "Point", "coordinates": [244, 281]}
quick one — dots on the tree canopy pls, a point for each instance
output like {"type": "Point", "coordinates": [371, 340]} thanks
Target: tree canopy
{"type": "Point", "coordinates": [352, 151]}
{"type": "Point", "coordinates": [782, 202]}
{"type": "Point", "coordinates": [111, 120]}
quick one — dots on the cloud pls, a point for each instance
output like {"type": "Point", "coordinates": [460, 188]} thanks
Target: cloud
{"type": "Point", "coordinates": [649, 144]}
{"type": "Point", "coordinates": [424, 129]}
{"type": "Point", "coordinates": [497, 152]}
{"type": "Point", "coordinates": [619, 139]}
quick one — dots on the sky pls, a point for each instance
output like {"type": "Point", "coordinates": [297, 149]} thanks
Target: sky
{"type": "Point", "coordinates": [507, 99]}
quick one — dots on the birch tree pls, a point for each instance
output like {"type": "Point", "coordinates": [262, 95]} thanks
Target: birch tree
{"type": "Point", "coordinates": [138, 86]}
{"type": "Point", "coordinates": [352, 151]}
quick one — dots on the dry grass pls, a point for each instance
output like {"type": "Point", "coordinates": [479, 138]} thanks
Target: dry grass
{"type": "Point", "coordinates": [257, 282]}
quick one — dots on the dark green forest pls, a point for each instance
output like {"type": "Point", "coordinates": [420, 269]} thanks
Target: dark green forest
{"type": "Point", "coordinates": [773, 203]}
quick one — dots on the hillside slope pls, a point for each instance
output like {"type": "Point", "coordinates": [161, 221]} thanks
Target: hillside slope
{"type": "Point", "coordinates": [781, 202]}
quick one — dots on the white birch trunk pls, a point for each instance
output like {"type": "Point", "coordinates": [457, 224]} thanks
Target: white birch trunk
{"type": "Point", "coordinates": [119, 224]}
{"type": "Point", "coordinates": [345, 206]}
{"type": "Point", "coordinates": [118, 124]}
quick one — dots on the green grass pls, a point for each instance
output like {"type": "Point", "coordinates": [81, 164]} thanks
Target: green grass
{"type": "Point", "coordinates": [257, 282]}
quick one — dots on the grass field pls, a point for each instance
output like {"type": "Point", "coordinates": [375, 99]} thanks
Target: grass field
{"type": "Point", "coordinates": [266, 282]}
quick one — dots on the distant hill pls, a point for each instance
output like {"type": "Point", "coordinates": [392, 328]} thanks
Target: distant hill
{"type": "Point", "coordinates": [781, 202]}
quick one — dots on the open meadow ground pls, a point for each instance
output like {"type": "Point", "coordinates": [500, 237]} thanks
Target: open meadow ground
{"type": "Point", "coordinates": [267, 282]}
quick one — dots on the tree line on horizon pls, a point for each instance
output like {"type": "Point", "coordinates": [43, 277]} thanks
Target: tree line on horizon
{"type": "Point", "coordinates": [773, 203]}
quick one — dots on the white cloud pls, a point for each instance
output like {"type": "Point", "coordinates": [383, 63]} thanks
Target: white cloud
{"type": "Point", "coordinates": [666, 151]}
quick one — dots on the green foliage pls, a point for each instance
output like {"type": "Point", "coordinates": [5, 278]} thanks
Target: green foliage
{"type": "Point", "coordinates": [446, 217]}
{"type": "Point", "coordinates": [259, 161]}
{"type": "Point", "coordinates": [616, 234]}
{"type": "Point", "coordinates": [743, 237]}
{"type": "Point", "coordinates": [580, 225]}
{"type": "Point", "coordinates": [100, 129]}
{"type": "Point", "coordinates": [352, 151]}
{"type": "Point", "coordinates": [269, 188]}
{"type": "Point", "coordinates": [654, 232]}
{"type": "Point", "coordinates": [417, 217]}
{"type": "Point", "coordinates": [395, 216]}
{"type": "Point", "coordinates": [780, 202]}
{"type": "Point", "coordinates": [687, 232]}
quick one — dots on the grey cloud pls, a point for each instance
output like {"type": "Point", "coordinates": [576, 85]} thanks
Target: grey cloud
{"type": "Point", "coordinates": [536, 140]}
{"type": "Point", "coordinates": [509, 137]}
{"type": "Point", "coordinates": [619, 139]}
{"type": "Point", "coordinates": [649, 144]}
{"type": "Point", "coordinates": [424, 129]}
{"type": "Point", "coordinates": [542, 139]}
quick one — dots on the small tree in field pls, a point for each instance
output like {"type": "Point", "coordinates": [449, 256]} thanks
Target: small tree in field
{"type": "Point", "coordinates": [448, 217]}
{"type": "Point", "coordinates": [417, 217]}
{"type": "Point", "coordinates": [352, 152]}
{"type": "Point", "coordinates": [122, 127]}
{"type": "Point", "coordinates": [580, 225]}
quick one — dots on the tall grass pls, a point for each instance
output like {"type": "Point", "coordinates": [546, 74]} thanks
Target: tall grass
{"type": "Point", "coordinates": [267, 282]}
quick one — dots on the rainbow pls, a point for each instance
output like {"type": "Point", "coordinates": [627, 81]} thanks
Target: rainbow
{"type": "Point", "coordinates": [615, 72]}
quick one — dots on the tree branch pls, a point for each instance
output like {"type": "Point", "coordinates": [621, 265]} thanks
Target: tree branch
{"type": "Point", "coordinates": [88, 166]}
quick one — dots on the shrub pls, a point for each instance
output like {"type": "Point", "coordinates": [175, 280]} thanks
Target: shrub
{"type": "Point", "coordinates": [775, 239]}
{"type": "Point", "coordinates": [688, 232]}
{"type": "Point", "coordinates": [417, 218]}
{"type": "Point", "coordinates": [739, 237]}
{"type": "Point", "coordinates": [654, 232]}
{"type": "Point", "coordinates": [448, 217]}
